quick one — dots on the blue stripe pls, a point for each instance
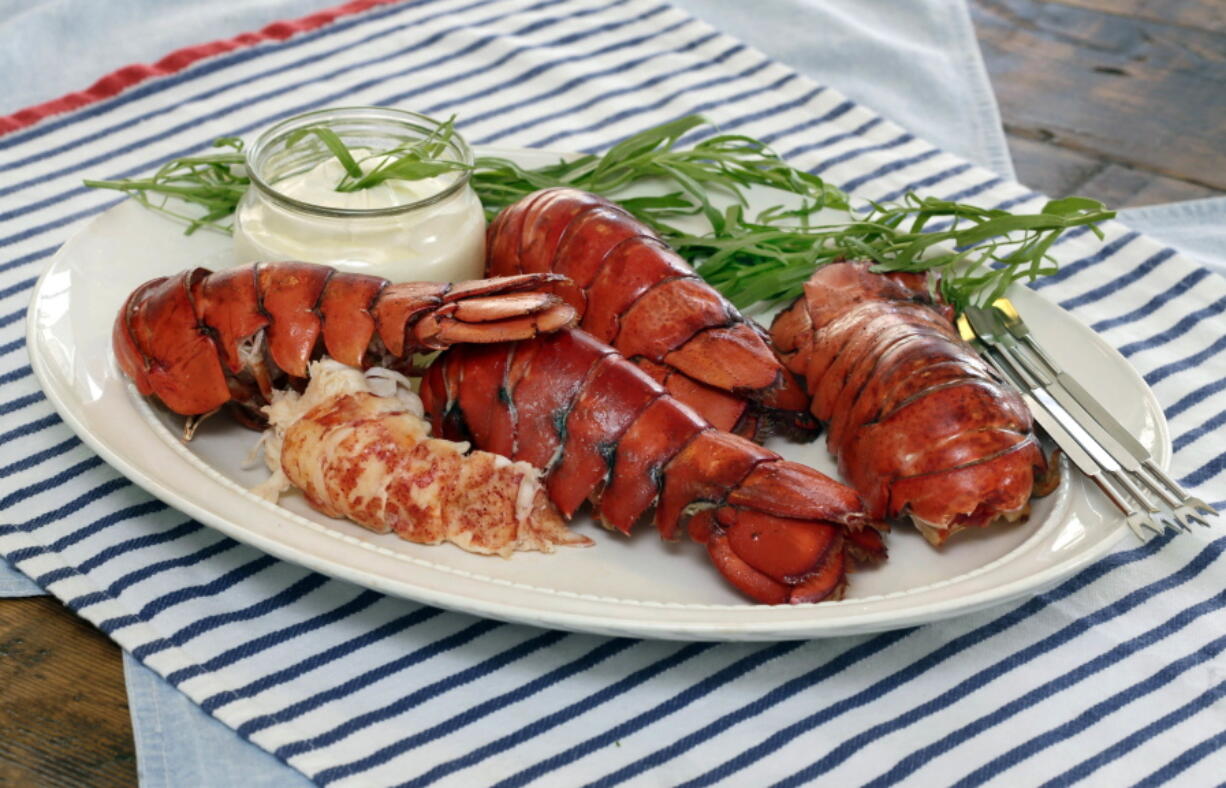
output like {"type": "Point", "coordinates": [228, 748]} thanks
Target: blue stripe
{"type": "Point", "coordinates": [1150, 306]}
{"type": "Point", "coordinates": [886, 169]}
{"type": "Point", "coordinates": [1119, 283]}
{"type": "Point", "coordinates": [1155, 376]}
{"type": "Point", "coordinates": [29, 428]}
{"type": "Point", "coordinates": [925, 183]}
{"type": "Point", "coordinates": [211, 588]}
{"type": "Point", "coordinates": [18, 373]}
{"type": "Point", "coordinates": [832, 114]}
{"type": "Point", "coordinates": [434, 689]}
{"type": "Point", "coordinates": [1138, 737]}
{"type": "Point", "coordinates": [11, 347]}
{"type": "Point", "coordinates": [1195, 397]}
{"type": "Point", "coordinates": [833, 139]}
{"type": "Point", "coordinates": [1186, 760]}
{"type": "Point", "coordinates": [181, 595]}
{"type": "Point", "coordinates": [1204, 429]}
{"type": "Point", "coordinates": [28, 258]}
{"type": "Point", "coordinates": [264, 642]}
{"type": "Point", "coordinates": [1185, 324]}
{"type": "Point", "coordinates": [117, 623]}
{"type": "Point", "coordinates": [198, 627]}
{"type": "Point", "coordinates": [45, 580]}
{"type": "Point", "coordinates": [551, 721]}
{"type": "Point", "coordinates": [19, 287]}
{"type": "Point", "coordinates": [639, 110]}
{"type": "Point", "coordinates": [422, 654]}
{"type": "Point", "coordinates": [697, 109]}
{"type": "Point", "coordinates": [280, 92]}
{"type": "Point", "coordinates": [583, 79]}
{"type": "Point", "coordinates": [571, 110]}
{"type": "Point", "coordinates": [76, 504]}
{"type": "Point", "coordinates": [318, 660]}
{"type": "Point", "coordinates": [915, 669]}
{"type": "Point", "coordinates": [106, 521]}
{"type": "Point", "coordinates": [1002, 667]}
{"type": "Point", "coordinates": [139, 543]}
{"type": "Point", "coordinates": [831, 668]}
{"type": "Point", "coordinates": [210, 66]}
{"type": "Point", "coordinates": [1205, 472]}
{"type": "Point", "coordinates": [55, 224]}
{"type": "Point", "coordinates": [1077, 266]}
{"type": "Point", "coordinates": [847, 155]}
{"type": "Point", "coordinates": [137, 575]}
{"type": "Point", "coordinates": [913, 762]}
{"type": "Point", "coordinates": [595, 656]}
{"type": "Point", "coordinates": [25, 463]}
{"type": "Point", "coordinates": [485, 68]}
{"type": "Point", "coordinates": [12, 317]}
{"type": "Point", "coordinates": [541, 68]}
{"type": "Point", "coordinates": [767, 112]}
{"type": "Point", "coordinates": [973, 191]}
{"type": "Point", "coordinates": [1092, 715]}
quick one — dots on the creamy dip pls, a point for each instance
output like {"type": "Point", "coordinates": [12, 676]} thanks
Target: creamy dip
{"type": "Point", "coordinates": [441, 241]}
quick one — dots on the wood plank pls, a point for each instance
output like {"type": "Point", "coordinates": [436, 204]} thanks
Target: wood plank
{"type": "Point", "coordinates": [63, 708]}
{"type": "Point", "coordinates": [1197, 14]}
{"type": "Point", "coordinates": [1059, 172]}
{"type": "Point", "coordinates": [1140, 94]}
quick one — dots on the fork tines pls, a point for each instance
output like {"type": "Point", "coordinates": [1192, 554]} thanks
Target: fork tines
{"type": "Point", "coordinates": [1091, 437]}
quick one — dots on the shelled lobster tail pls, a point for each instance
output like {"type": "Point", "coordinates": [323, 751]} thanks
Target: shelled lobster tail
{"type": "Point", "coordinates": [920, 424]}
{"type": "Point", "coordinates": [199, 340]}
{"type": "Point", "coordinates": [636, 294]}
{"type": "Point", "coordinates": [604, 431]}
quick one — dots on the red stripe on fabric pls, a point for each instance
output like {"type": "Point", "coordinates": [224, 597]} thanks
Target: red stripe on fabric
{"type": "Point", "coordinates": [118, 81]}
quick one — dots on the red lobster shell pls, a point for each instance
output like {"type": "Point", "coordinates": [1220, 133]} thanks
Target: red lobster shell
{"type": "Point", "coordinates": [603, 430]}
{"type": "Point", "coordinates": [199, 340]}
{"type": "Point", "coordinates": [634, 293]}
{"type": "Point", "coordinates": [920, 424]}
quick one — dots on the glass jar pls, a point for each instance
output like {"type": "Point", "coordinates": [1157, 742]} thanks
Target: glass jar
{"type": "Point", "coordinates": [427, 230]}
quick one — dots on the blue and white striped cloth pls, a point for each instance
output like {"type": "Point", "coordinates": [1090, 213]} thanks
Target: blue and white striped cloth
{"type": "Point", "coordinates": [1114, 675]}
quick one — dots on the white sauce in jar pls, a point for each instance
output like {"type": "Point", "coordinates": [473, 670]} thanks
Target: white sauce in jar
{"type": "Point", "coordinates": [441, 241]}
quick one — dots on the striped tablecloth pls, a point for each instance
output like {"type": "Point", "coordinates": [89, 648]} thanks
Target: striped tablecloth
{"type": "Point", "coordinates": [1115, 674]}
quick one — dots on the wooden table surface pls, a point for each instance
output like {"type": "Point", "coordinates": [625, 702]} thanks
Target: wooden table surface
{"type": "Point", "coordinates": [1120, 100]}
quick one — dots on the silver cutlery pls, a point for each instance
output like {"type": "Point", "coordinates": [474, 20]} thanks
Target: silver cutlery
{"type": "Point", "coordinates": [1095, 442]}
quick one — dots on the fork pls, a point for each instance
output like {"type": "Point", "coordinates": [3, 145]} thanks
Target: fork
{"type": "Point", "coordinates": [1091, 437]}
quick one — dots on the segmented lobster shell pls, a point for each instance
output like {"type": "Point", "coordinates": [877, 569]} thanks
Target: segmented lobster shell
{"type": "Point", "coordinates": [604, 431]}
{"type": "Point", "coordinates": [635, 293]}
{"type": "Point", "coordinates": [920, 424]}
{"type": "Point", "coordinates": [193, 340]}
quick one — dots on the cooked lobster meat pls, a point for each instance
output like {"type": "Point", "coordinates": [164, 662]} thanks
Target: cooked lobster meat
{"type": "Point", "coordinates": [604, 431]}
{"type": "Point", "coordinates": [920, 424]}
{"type": "Point", "coordinates": [636, 294]}
{"type": "Point", "coordinates": [357, 446]}
{"type": "Point", "coordinates": [200, 340]}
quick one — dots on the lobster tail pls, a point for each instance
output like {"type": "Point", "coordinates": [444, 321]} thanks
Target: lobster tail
{"type": "Point", "coordinates": [604, 431]}
{"type": "Point", "coordinates": [639, 296]}
{"type": "Point", "coordinates": [920, 424]}
{"type": "Point", "coordinates": [199, 340]}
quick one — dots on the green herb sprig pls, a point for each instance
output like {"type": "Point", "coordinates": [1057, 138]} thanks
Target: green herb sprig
{"type": "Point", "coordinates": [760, 259]}
{"type": "Point", "coordinates": [766, 259]}
{"type": "Point", "coordinates": [409, 161]}
{"type": "Point", "coordinates": [214, 181]}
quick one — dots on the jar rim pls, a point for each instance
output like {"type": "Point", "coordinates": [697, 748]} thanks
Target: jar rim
{"type": "Point", "coordinates": [402, 117]}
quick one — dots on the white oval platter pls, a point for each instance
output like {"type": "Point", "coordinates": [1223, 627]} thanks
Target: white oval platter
{"type": "Point", "coordinates": [639, 586]}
